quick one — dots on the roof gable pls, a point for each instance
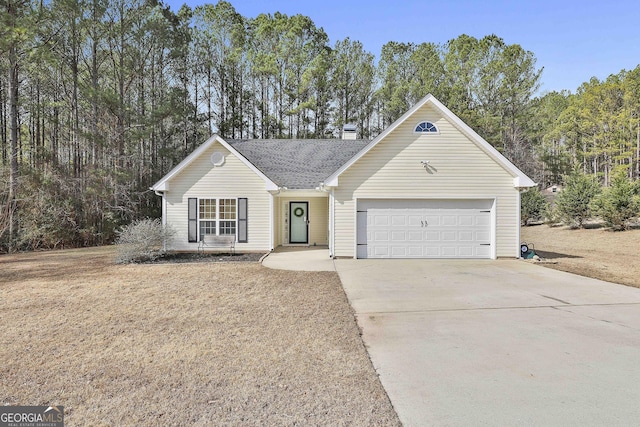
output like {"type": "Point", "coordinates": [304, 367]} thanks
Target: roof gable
{"type": "Point", "coordinates": [163, 183]}
{"type": "Point", "coordinates": [520, 179]}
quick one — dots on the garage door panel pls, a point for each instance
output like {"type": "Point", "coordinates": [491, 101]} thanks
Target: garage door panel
{"type": "Point", "coordinates": [415, 236]}
{"type": "Point", "coordinates": [465, 236]}
{"type": "Point", "coordinates": [448, 252]}
{"type": "Point", "coordinates": [466, 220]}
{"type": "Point", "coordinates": [432, 252]}
{"type": "Point", "coordinates": [483, 236]}
{"type": "Point", "coordinates": [466, 251]}
{"type": "Point", "coordinates": [432, 220]}
{"type": "Point", "coordinates": [414, 251]}
{"type": "Point", "coordinates": [381, 236]}
{"type": "Point", "coordinates": [483, 219]}
{"type": "Point", "coordinates": [449, 236]}
{"type": "Point", "coordinates": [380, 219]}
{"type": "Point", "coordinates": [449, 220]}
{"type": "Point", "coordinates": [398, 236]}
{"type": "Point", "coordinates": [433, 236]}
{"type": "Point", "coordinates": [415, 220]}
{"type": "Point", "coordinates": [398, 220]}
{"type": "Point", "coordinates": [380, 251]}
{"type": "Point", "coordinates": [483, 252]}
{"type": "Point", "coordinates": [398, 251]}
{"type": "Point", "coordinates": [425, 228]}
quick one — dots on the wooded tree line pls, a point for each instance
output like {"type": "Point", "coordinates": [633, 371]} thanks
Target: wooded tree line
{"type": "Point", "coordinates": [596, 130]}
{"type": "Point", "coordinates": [100, 98]}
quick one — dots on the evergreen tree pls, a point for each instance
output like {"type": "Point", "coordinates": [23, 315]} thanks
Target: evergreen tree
{"type": "Point", "coordinates": [573, 204]}
{"type": "Point", "coordinates": [618, 203]}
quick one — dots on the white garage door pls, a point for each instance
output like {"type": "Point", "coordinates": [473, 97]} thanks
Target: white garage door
{"type": "Point", "coordinates": [424, 229]}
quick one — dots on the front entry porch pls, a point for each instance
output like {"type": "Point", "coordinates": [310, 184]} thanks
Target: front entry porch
{"type": "Point", "coordinates": [301, 219]}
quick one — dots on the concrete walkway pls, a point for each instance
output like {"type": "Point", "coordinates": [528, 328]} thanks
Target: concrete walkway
{"type": "Point", "coordinates": [504, 343]}
{"type": "Point", "coordinates": [314, 258]}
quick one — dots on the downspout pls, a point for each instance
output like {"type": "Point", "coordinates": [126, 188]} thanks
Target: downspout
{"type": "Point", "coordinates": [332, 224]}
{"type": "Point", "coordinates": [519, 253]}
{"type": "Point", "coordinates": [322, 187]}
{"type": "Point", "coordinates": [163, 205]}
{"type": "Point", "coordinates": [271, 220]}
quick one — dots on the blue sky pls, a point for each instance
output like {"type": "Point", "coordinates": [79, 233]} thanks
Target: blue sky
{"type": "Point", "coordinates": [572, 40]}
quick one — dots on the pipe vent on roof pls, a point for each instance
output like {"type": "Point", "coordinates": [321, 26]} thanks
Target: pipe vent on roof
{"type": "Point", "coordinates": [349, 131]}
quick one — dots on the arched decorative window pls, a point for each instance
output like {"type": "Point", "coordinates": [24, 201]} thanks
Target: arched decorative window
{"type": "Point", "coordinates": [426, 127]}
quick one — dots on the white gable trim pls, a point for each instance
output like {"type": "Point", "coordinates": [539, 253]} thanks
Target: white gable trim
{"type": "Point", "coordinates": [520, 179]}
{"type": "Point", "coordinates": [163, 184]}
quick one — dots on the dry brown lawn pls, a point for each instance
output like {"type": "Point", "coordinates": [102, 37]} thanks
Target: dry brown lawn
{"type": "Point", "coordinates": [593, 252]}
{"type": "Point", "coordinates": [182, 344]}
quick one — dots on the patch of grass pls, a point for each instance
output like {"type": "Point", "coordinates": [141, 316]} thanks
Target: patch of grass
{"type": "Point", "coordinates": [182, 344]}
{"type": "Point", "coordinates": [593, 252]}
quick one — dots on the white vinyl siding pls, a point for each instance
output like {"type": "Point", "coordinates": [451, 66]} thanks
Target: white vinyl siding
{"type": "Point", "coordinates": [232, 180]}
{"type": "Point", "coordinates": [457, 169]}
{"type": "Point", "coordinates": [319, 226]}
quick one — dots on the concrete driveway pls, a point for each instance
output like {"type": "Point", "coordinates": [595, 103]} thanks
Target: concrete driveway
{"type": "Point", "coordinates": [503, 342]}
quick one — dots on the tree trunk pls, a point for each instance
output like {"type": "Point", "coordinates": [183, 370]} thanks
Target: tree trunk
{"type": "Point", "coordinates": [13, 143]}
{"type": "Point", "coordinates": [638, 151]}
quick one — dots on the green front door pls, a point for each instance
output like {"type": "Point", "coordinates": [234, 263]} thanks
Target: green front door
{"type": "Point", "coordinates": [299, 222]}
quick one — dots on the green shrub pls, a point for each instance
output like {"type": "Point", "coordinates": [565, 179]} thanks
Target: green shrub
{"type": "Point", "coordinates": [533, 205]}
{"type": "Point", "coordinates": [143, 240]}
{"type": "Point", "coordinates": [552, 218]}
{"type": "Point", "coordinates": [573, 204]}
{"type": "Point", "coordinates": [618, 203]}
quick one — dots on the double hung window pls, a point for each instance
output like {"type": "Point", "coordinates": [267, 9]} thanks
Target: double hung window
{"type": "Point", "coordinates": [217, 216]}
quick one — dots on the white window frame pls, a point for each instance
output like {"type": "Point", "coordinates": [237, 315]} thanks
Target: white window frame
{"type": "Point", "coordinates": [218, 220]}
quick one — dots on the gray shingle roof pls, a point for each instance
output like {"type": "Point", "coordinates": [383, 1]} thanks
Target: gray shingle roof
{"type": "Point", "coordinates": [298, 163]}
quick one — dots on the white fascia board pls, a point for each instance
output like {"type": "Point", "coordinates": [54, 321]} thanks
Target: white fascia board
{"type": "Point", "coordinates": [519, 182]}
{"type": "Point", "coordinates": [163, 184]}
{"type": "Point", "coordinates": [270, 186]}
{"type": "Point", "coordinates": [520, 179]}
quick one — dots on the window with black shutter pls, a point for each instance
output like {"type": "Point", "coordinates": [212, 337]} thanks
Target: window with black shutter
{"type": "Point", "coordinates": [242, 220]}
{"type": "Point", "coordinates": [193, 220]}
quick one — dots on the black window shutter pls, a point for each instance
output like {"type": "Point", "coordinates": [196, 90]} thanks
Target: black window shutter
{"type": "Point", "coordinates": [242, 221]}
{"type": "Point", "coordinates": [193, 220]}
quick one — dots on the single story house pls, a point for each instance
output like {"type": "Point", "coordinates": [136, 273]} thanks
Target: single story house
{"type": "Point", "coordinates": [428, 186]}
